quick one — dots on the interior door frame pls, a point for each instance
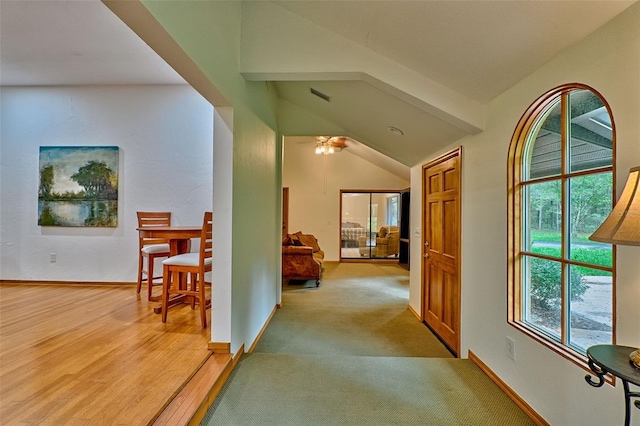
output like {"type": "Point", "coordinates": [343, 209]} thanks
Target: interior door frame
{"type": "Point", "coordinates": [457, 152]}
{"type": "Point", "coordinates": [285, 211]}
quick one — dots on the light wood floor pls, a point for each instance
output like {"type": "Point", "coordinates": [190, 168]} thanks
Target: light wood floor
{"type": "Point", "coordinates": [91, 355]}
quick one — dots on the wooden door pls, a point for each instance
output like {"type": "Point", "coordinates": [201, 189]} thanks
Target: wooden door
{"type": "Point", "coordinates": [441, 247]}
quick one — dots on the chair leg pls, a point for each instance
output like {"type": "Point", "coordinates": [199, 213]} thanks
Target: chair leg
{"type": "Point", "coordinates": [166, 284]}
{"type": "Point", "coordinates": [203, 303]}
{"type": "Point", "coordinates": [194, 283]}
{"type": "Point", "coordinates": [150, 271]}
{"type": "Point", "coordinates": [140, 267]}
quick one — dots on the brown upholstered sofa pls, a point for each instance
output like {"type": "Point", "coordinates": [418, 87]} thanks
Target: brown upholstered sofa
{"type": "Point", "coordinates": [301, 257]}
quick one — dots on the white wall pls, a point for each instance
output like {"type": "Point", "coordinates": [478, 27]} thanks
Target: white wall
{"type": "Point", "coordinates": [314, 192]}
{"type": "Point", "coordinates": [256, 227]}
{"type": "Point", "coordinates": [210, 32]}
{"type": "Point", "coordinates": [222, 215]}
{"type": "Point", "coordinates": [165, 135]}
{"type": "Point", "coordinates": [608, 61]}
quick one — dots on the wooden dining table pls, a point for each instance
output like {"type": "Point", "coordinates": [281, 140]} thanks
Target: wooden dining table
{"type": "Point", "coordinates": [179, 238]}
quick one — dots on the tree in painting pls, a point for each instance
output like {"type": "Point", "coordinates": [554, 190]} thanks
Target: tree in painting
{"type": "Point", "coordinates": [46, 182]}
{"type": "Point", "coordinates": [96, 178]}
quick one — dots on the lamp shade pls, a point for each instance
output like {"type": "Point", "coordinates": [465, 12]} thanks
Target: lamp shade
{"type": "Point", "coordinates": [622, 226]}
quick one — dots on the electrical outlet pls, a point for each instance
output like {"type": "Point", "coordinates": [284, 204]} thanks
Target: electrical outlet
{"type": "Point", "coordinates": [511, 348]}
{"type": "Point", "coordinates": [53, 257]}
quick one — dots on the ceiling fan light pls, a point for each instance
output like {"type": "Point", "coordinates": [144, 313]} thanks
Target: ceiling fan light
{"type": "Point", "coordinates": [329, 144]}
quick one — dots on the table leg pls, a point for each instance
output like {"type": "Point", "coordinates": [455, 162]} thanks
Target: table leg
{"type": "Point", "coordinates": [627, 402]}
{"type": "Point", "coordinates": [179, 246]}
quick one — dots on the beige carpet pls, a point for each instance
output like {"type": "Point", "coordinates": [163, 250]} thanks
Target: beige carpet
{"type": "Point", "coordinates": [359, 309]}
{"type": "Point", "coordinates": [350, 353]}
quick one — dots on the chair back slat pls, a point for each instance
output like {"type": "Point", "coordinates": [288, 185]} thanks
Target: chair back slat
{"type": "Point", "coordinates": [173, 284]}
{"type": "Point", "coordinates": [153, 219]}
{"type": "Point", "coordinates": [206, 241]}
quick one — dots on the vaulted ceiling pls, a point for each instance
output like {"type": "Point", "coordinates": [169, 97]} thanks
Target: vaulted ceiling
{"type": "Point", "coordinates": [426, 68]}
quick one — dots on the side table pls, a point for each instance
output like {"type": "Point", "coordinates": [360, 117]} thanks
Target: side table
{"type": "Point", "coordinates": [614, 359]}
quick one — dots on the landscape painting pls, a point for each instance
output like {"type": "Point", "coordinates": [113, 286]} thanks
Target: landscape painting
{"type": "Point", "coordinates": [78, 186]}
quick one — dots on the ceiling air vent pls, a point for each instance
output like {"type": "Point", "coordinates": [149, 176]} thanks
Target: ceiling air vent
{"type": "Point", "coordinates": [320, 95]}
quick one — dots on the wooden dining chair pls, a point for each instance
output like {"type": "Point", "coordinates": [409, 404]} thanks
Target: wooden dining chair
{"type": "Point", "coordinates": [194, 264]}
{"type": "Point", "coordinates": [151, 249]}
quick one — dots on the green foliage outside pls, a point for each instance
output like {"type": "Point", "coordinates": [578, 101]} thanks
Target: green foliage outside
{"type": "Point", "coordinates": [546, 289]}
{"type": "Point", "coordinates": [594, 256]}
{"type": "Point", "coordinates": [545, 274]}
{"type": "Point", "coordinates": [589, 204]}
{"type": "Point", "coordinates": [554, 236]}
{"type": "Point", "coordinates": [602, 257]}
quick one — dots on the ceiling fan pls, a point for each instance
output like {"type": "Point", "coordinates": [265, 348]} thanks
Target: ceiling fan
{"type": "Point", "coordinates": [330, 144]}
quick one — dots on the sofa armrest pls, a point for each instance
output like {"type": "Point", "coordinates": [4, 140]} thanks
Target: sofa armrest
{"type": "Point", "coordinates": [297, 250]}
{"type": "Point", "coordinates": [382, 241]}
{"type": "Point", "coordinates": [300, 262]}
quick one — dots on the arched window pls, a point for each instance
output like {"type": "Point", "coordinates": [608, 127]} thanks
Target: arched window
{"type": "Point", "coordinates": [560, 188]}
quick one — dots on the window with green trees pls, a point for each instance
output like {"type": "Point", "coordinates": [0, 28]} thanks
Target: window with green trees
{"type": "Point", "coordinates": [561, 174]}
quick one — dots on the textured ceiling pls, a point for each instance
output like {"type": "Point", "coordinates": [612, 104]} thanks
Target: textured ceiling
{"type": "Point", "coordinates": [477, 48]}
{"type": "Point", "coordinates": [472, 50]}
{"type": "Point", "coordinates": [73, 43]}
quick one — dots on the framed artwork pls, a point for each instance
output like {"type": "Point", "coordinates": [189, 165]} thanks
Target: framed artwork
{"type": "Point", "coordinates": [78, 186]}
